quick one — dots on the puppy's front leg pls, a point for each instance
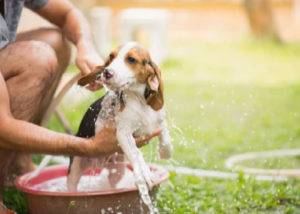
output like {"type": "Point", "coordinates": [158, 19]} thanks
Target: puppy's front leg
{"type": "Point", "coordinates": [165, 147]}
{"type": "Point", "coordinates": [140, 168]}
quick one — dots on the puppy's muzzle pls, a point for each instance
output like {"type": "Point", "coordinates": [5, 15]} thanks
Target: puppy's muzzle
{"type": "Point", "coordinates": [108, 73]}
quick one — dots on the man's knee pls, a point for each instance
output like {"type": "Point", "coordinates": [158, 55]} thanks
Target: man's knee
{"type": "Point", "coordinates": [62, 48]}
{"type": "Point", "coordinates": [56, 39]}
{"type": "Point", "coordinates": [43, 61]}
{"type": "Point", "coordinates": [35, 58]}
{"type": "Point", "coordinates": [43, 58]}
{"type": "Point", "coordinates": [53, 37]}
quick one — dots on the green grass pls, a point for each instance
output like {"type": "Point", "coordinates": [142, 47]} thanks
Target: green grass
{"type": "Point", "coordinates": [186, 194]}
{"type": "Point", "coordinates": [222, 99]}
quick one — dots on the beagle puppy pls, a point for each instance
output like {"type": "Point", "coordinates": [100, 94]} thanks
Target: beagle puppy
{"type": "Point", "coordinates": [135, 103]}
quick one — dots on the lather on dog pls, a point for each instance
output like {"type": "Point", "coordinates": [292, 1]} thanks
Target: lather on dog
{"type": "Point", "coordinates": [135, 104]}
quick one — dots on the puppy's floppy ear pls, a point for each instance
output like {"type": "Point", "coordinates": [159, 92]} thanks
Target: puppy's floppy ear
{"type": "Point", "coordinates": [92, 77]}
{"type": "Point", "coordinates": [154, 82]}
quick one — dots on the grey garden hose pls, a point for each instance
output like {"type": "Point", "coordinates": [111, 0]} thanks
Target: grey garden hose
{"type": "Point", "coordinates": [232, 163]}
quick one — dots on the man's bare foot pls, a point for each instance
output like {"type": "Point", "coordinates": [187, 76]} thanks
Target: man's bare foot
{"type": "Point", "coordinates": [4, 210]}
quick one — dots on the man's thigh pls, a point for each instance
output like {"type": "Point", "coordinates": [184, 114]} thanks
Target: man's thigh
{"type": "Point", "coordinates": [60, 45]}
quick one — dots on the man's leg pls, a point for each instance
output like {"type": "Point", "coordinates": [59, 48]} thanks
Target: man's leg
{"type": "Point", "coordinates": [32, 70]}
{"type": "Point", "coordinates": [61, 46]}
{"type": "Point", "coordinates": [22, 162]}
{"type": "Point", "coordinates": [28, 73]}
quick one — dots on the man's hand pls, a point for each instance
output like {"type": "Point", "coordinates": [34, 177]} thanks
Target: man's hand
{"type": "Point", "coordinates": [142, 141]}
{"type": "Point", "coordinates": [106, 140]}
{"type": "Point", "coordinates": [86, 60]}
{"type": "Point", "coordinates": [87, 57]}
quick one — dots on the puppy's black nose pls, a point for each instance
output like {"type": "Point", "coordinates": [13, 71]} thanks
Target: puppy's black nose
{"type": "Point", "coordinates": [107, 73]}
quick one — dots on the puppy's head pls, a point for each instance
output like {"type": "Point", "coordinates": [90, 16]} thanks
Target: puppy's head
{"type": "Point", "coordinates": [130, 68]}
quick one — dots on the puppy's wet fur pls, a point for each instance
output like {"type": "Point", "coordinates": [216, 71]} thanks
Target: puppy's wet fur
{"type": "Point", "coordinates": [87, 124]}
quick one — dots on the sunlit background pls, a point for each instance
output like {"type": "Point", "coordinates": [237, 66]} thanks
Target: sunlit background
{"type": "Point", "coordinates": [232, 85]}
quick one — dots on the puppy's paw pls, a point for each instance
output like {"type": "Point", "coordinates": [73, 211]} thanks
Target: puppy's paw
{"type": "Point", "coordinates": [165, 150]}
{"type": "Point", "coordinates": [148, 178]}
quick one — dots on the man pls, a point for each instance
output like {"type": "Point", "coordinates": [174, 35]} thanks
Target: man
{"type": "Point", "coordinates": [31, 65]}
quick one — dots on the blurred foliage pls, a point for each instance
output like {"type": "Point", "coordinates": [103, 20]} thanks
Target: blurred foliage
{"type": "Point", "coordinates": [15, 200]}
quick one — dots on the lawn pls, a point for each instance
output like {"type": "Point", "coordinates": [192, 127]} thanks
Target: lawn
{"type": "Point", "coordinates": [224, 98]}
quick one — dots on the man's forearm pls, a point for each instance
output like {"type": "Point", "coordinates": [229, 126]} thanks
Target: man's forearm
{"type": "Point", "coordinates": [22, 136]}
{"type": "Point", "coordinates": [76, 27]}
{"type": "Point", "coordinates": [68, 18]}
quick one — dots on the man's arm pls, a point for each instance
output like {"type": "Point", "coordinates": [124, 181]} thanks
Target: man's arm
{"type": "Point", "coordinates": [18, 135]}
{"type": "Point", "coordinates": [76, 28]}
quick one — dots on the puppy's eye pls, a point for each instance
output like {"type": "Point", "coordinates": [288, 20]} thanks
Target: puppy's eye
{"type": "Point", "coordinates": [144, 62]}
{"type": "Point", "coordinates": [98, 77]}
{"type": "Point", "coordinates": [131, 60]}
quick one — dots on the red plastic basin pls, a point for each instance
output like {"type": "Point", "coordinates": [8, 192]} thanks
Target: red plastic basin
{"type": "Point", "coordinates": [126, 200]}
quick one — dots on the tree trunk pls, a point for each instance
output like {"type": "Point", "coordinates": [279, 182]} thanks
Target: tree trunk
{"type": "Point", "coordinates": [260, 16]}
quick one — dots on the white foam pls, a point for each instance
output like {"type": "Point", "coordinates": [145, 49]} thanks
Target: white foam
{"type": "Point", "coordinates": [92, 182]}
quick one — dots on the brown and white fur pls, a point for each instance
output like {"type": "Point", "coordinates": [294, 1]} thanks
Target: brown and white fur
{"type": "Point", "coordinates": [135, 103]}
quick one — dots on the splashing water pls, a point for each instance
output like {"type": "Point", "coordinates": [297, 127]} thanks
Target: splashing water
{"type": "Point", "coordinates": [177, 132]}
